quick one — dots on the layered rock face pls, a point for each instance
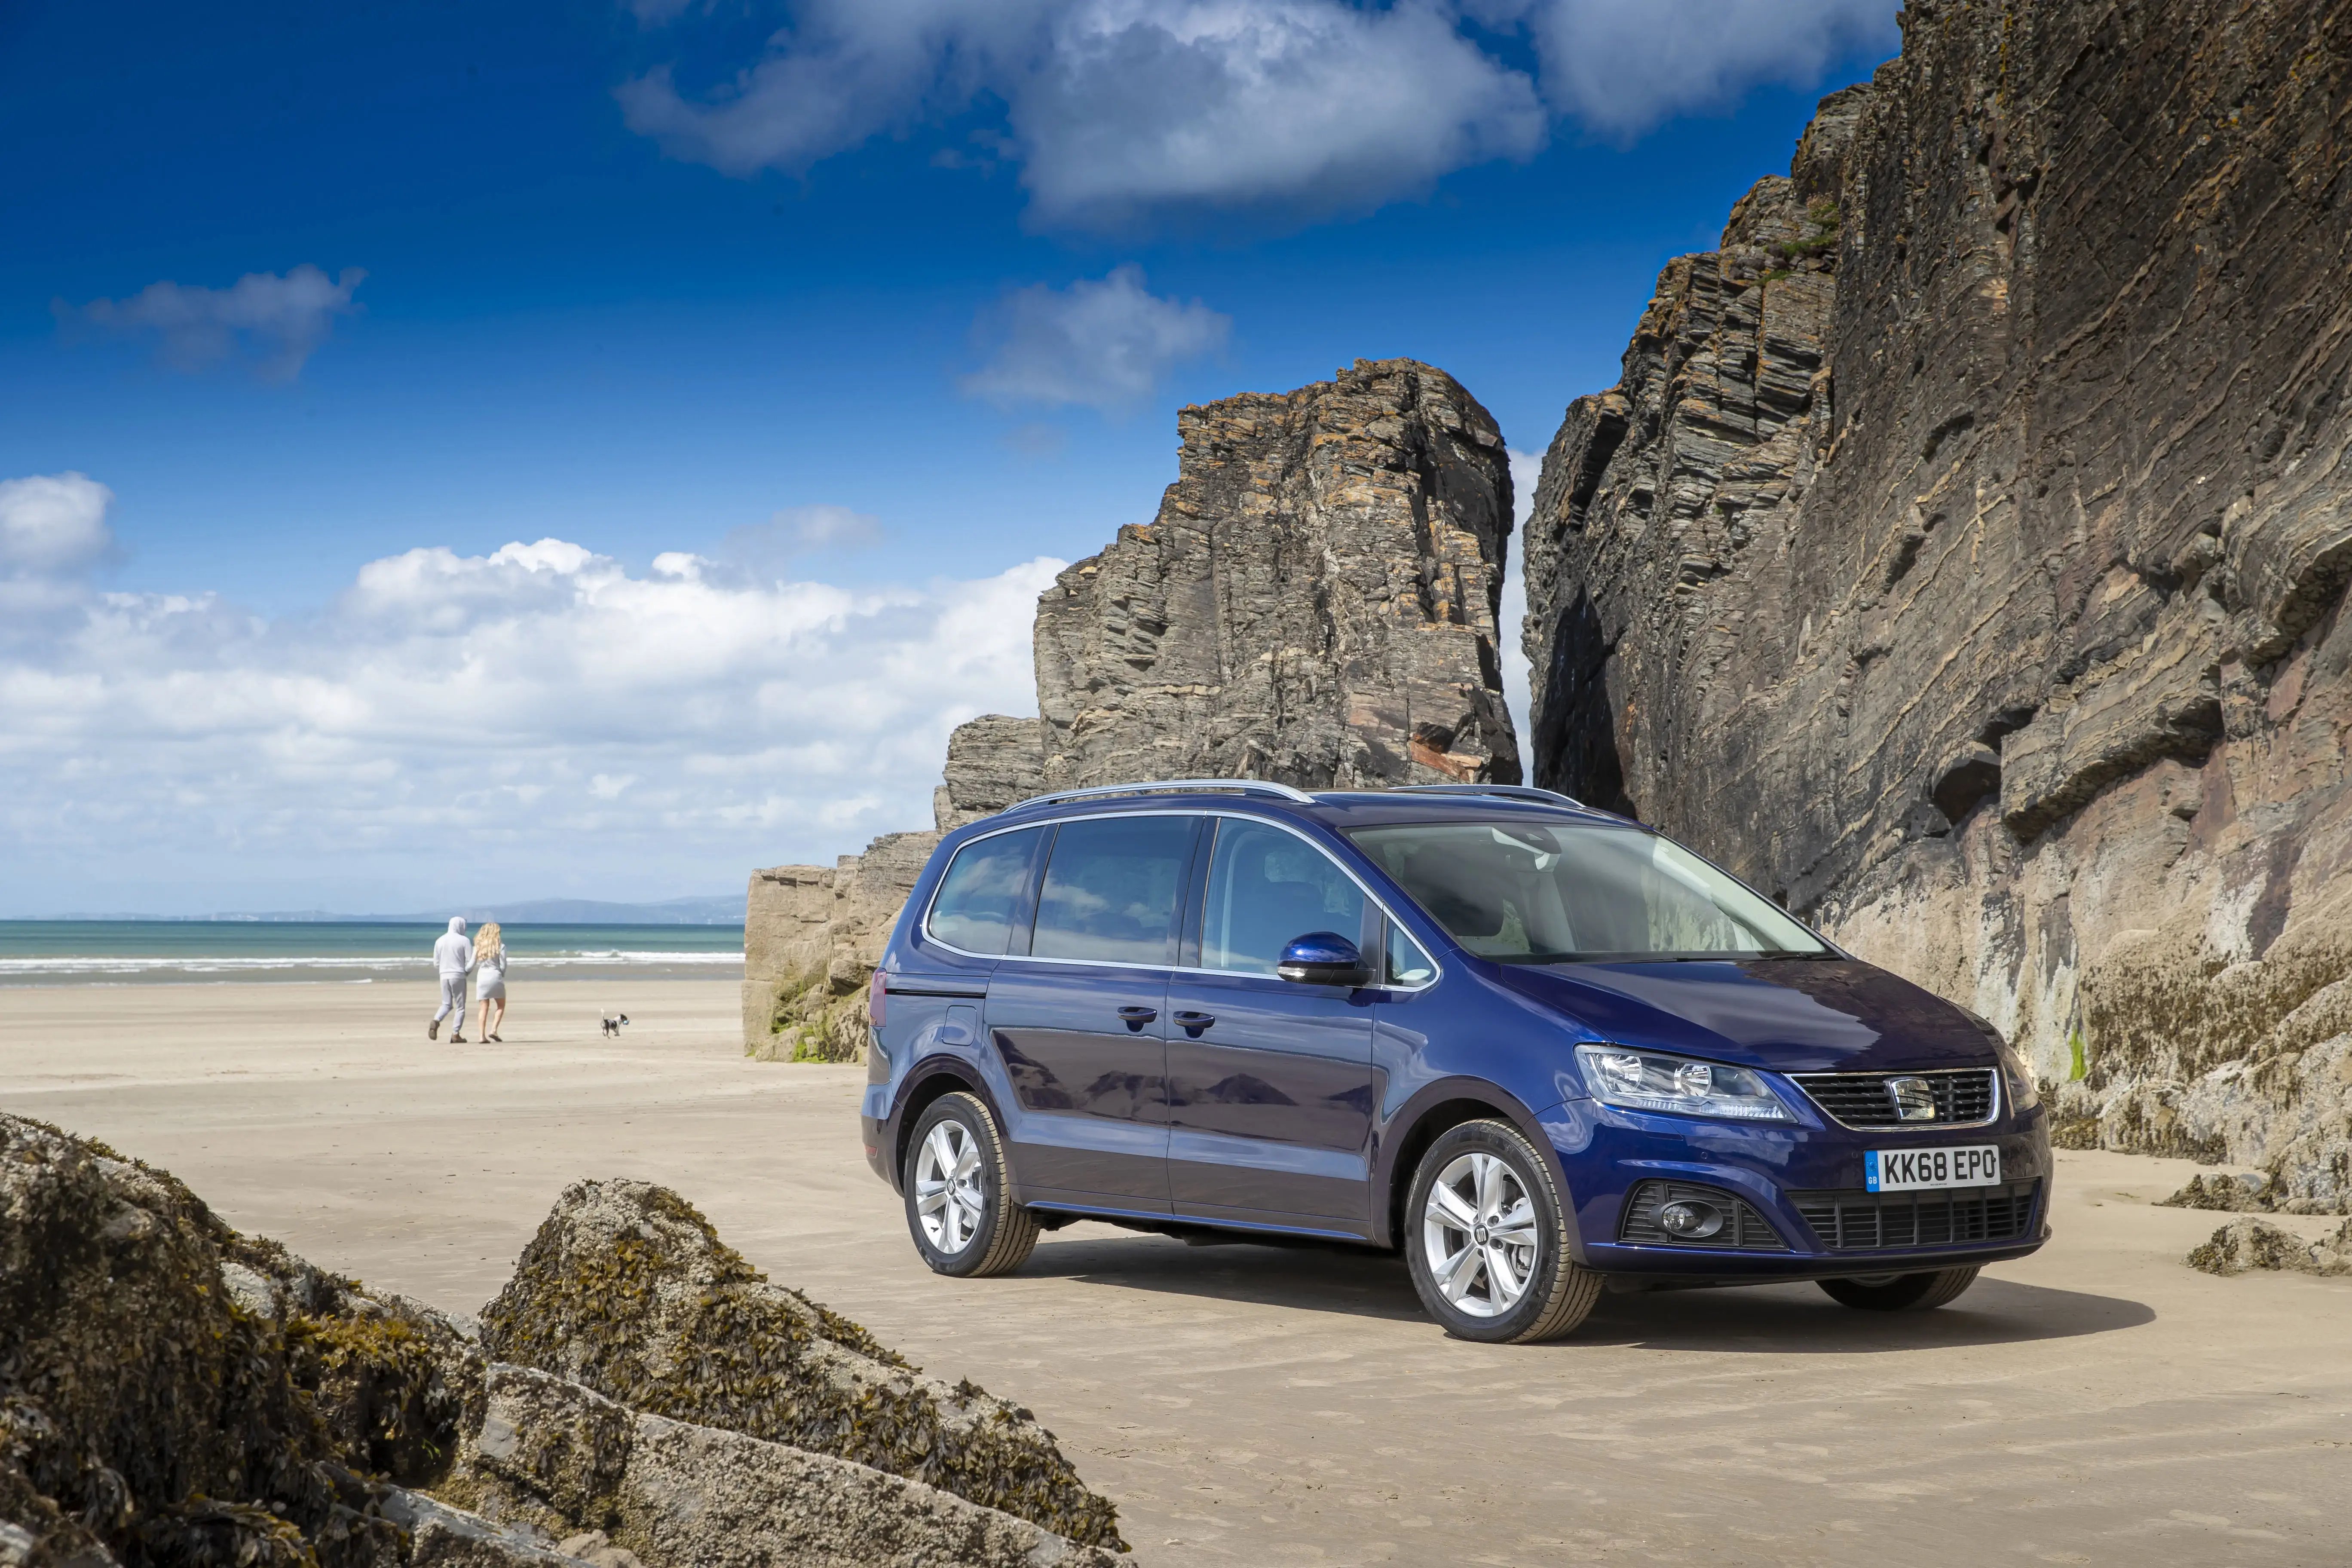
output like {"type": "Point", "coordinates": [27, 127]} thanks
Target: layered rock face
{"type": "Point", "coordinates": [1962, 556]}
{"type": "Point", "coordinates": [1315, 602]}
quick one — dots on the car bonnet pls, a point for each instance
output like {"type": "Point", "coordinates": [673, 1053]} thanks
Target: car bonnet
{"type": "Point", "coordinates": [1785, 1014]}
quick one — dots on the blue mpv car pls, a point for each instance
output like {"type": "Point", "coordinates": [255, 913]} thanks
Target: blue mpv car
{"type": "Point", "coordinates": [1539, 1049]}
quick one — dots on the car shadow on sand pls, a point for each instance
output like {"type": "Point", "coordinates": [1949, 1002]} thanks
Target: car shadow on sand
{"type": "Point", "coordinates": [1766, 1318]}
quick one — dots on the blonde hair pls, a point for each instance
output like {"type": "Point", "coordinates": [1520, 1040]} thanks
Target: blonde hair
{"type": "Point", "coordinates": [486, 941]}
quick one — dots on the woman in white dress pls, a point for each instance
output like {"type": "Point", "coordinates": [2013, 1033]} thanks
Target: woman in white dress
{"type": "Point", "coordinates": [490, 979]}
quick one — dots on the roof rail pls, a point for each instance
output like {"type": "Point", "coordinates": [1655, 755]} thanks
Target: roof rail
{"type": "Point", "coordinates": [1165, 786]}
{"type": "Point", "coordinates": [1507, 792]}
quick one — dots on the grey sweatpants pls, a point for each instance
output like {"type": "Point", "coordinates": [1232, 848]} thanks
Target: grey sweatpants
{"type": "Point", "coordinates": [452, 999]}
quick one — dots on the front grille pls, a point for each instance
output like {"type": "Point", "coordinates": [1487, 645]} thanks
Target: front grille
{"type": "Point", "coordinates": [1744, 1229]}
{"type": "Point", "coordinates": [1963, 1098]}
{"type": "Point", "coordinates": [1856, 1221]}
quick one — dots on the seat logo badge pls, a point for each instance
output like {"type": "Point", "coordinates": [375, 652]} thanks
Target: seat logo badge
{"type": "Point", "coordinates": [1913, 1098]}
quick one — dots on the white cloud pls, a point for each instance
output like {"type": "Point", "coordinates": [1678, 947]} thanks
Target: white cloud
{"type": "Point", "coordinates": [276, 322]}
{"type": "Point", "coordinates": [1297, 108]}
{"type": "Point", "coordinates": [1312, 105]}
{"type": "Point", "coordinates": [1307, 107]}
{"type": "Point", "coordinates": [1620, 67]}
{"type": "Point", "coordinates": [483, 725]}
{"type": "Point", "coordinates": [52, 523]}
{"type": "Point", "coordinates": [1103, 343]}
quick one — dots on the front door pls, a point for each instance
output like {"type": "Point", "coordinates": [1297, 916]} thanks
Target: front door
{"type": "Point", "coordinates": [1269, 1082]}
{"type": "Point", "coordinates": [1079, 1021]}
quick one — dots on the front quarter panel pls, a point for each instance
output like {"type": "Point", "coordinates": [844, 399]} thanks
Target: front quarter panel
{"type": "Point", "coordinates": [1462, 1041]}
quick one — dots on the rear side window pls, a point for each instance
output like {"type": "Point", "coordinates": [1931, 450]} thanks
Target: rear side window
{"type": "Point", "coordinates": [1267, 889]}
{"type": "Point", "coordinates": [1110, 889]}
{"type": "Point", "coordinates": [981, 890]}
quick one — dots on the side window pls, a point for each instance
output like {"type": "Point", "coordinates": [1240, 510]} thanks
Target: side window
{"type": "Point", "coordinates": [1110, 889]}
{"type": "Point", "coordinates": [1407, 964]}
{"type": "Point", "coordinates": [983, 889]}
{"type": "Point", "coordinates": [1267, 888]}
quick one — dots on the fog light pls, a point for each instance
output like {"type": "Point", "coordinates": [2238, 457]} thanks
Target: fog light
{"type": "Point", "coordinates": [1692, 1220]}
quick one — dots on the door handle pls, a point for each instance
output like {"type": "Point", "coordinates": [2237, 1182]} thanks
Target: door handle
{"type": "Point", "coordinates": [1136, 1018]}
{"type": "Point", "coordinates": [1194, 1024]}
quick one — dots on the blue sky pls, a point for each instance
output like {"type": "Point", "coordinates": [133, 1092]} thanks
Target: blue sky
{"type": "Point", "coordinates": [809, 334]}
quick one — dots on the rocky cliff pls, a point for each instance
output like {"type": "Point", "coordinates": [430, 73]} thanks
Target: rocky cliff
{"type": "Point", "coordinates": [1962, 556]}
{"type": "Point", "coordinates": [1314, 603]}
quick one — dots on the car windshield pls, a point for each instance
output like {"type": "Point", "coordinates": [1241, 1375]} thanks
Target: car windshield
{"type": "Point", "coordinates": [1527, 893]}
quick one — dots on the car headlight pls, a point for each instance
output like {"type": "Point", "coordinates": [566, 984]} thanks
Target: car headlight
{"type": "Point", "coordinates": [2024, 1092]}
{"type": "Point", "coordinates": [1646, 1080]}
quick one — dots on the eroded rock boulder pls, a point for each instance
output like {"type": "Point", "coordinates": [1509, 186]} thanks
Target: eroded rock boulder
{"type": "Point", "coordinates": [2241, 1194]}
{"type": "Point", "coordinates": [627, 1291]}
{"type": "Point", "coordinates": [2248, 1245]}
{"type": "Point", "coordinates": [812, 937]}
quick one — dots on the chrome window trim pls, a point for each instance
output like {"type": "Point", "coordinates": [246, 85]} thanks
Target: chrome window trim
{"type": "Point", "coordinates": [1371, 897]}
{"type": "Point", "coordinates": [2000, 1096]}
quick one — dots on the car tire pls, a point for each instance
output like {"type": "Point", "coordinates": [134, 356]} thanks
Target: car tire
{"type": "Point", "coordinates": [1900, 1292]}
{"type": "Point", "coordinates": [1493, 1172]}
{"type": "Point", "coordinates": [956, 1166]}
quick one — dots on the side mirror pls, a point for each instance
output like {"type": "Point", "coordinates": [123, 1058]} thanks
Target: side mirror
{"type": "Point", "coordinates": [1324, 958]}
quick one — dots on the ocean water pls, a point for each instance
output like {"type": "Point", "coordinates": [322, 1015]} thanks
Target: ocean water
{"type": "Point", "coordinates": [351, 952]}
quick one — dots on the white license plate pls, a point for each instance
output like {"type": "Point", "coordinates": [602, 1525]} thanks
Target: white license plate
{"type": "Point", "coordinates": [1908, 1170]}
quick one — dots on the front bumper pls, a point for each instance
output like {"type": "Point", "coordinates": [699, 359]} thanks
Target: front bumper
{"type": "Point", "coordinates": [1605, 1153]}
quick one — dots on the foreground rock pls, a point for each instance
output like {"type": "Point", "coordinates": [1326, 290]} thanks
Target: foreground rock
{"type": "Point", "coordinates": [173, 1393]}
{"type": "Point", "coordinates": [2244, 1245]}
{"type": "Point", "coordinates": [1962, 556]}
{"type": "Point", "coordinates": [628, 1290]}
{"type": "Point", "coordinates": [560, 1457]}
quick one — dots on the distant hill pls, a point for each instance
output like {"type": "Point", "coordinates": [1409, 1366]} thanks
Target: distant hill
{"type": "Point", "coordinates": [725, 909]}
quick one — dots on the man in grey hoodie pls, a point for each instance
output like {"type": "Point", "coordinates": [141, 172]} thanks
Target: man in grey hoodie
{"type": "Point", "coordinates": [453, 955]}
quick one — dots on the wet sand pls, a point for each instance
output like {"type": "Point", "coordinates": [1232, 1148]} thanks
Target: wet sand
{"type": "Point", "coordinates": [2097, 1403]}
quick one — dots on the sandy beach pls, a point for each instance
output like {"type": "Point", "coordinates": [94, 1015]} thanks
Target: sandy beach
{"type": "Point", "coordinates": [2097, 1403]}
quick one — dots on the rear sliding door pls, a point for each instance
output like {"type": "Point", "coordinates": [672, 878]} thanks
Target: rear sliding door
{"type": "Point", "coordinates": [1079, 1020]}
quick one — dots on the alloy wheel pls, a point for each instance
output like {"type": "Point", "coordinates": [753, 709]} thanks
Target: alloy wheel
{"type": "Point", "coordinates": [1479, 1236]}
{"type": "Point", "coordinates": [949, 1192]}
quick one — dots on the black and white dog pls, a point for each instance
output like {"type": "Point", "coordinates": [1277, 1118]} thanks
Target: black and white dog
{"type": "Point", "coordinates": [613, 1023]}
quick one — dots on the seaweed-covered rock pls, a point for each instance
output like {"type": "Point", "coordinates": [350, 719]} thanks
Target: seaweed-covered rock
{"type": "Point", "coordinates": [174, 1393]}
{"type": "Point", "coordinates": [2247, 1194]}
{"type": "Point", "coordinates": [552, 1456]}
{"type": "Point", "coordinates": [446, 1537]}
{"type": "Point", "coordinates": [2245, 1246]}
{"type": "Point", "coordinates": [628, 1290]}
